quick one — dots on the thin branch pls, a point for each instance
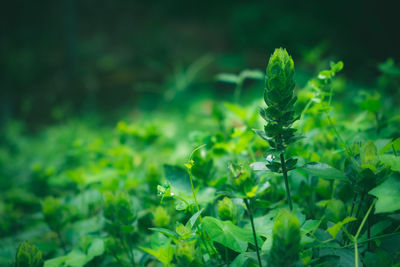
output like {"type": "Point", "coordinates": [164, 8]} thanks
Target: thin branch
{"type": "Point", "coordinates": [249, 211]}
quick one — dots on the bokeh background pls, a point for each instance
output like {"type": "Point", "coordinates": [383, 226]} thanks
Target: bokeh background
{"type": "Point", "coordinates": [68, 57]}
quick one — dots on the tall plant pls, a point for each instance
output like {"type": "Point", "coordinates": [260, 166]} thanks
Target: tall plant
{"type": "Point", "coordinates": [279, 114]}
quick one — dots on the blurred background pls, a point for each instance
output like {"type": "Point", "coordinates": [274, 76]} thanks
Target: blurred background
{"type": "Point", "coordinates": [64, 58]}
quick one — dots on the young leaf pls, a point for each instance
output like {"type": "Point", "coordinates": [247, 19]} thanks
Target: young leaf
{"type": "Point", "coordinates": [193, 219]}
{"type": "Point", "coordinates": [334, 230]}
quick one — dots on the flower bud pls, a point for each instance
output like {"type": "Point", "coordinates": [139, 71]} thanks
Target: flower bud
{"type": "Point", "coordinates": [226, 209]}
{"type": "Point", "coordinates": [285, 240]}
{"type": "Point", "coordinates": [185, 251]}
{"type": "Point", "coordinates": [161, 217]}
{"type": "Point", "coordinates": [279, 83]}
{"type": "Point", "coordinates": [28, 255]}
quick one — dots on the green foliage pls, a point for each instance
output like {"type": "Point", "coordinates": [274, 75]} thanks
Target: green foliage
{"type": "Point", "coordinates": [388, 194]}
{"type": "Point", "coordinates": [197, 188]}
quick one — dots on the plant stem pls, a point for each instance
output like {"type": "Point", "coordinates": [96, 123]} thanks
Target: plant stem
{"type": "Point", "coordinates": [226, 256]}
{"type": "Point", "coordinates": [356, 256]}
{"type": "Point", "coordinates": [347, 148]}
{"type": "Point", "coordinates": [351, 213]}
{"type": "Point", "coordinates": [373, 238]}
{"type": "Point", "coordinates": [253, 228]}
{"type": "Point", "coordinates": [63, 245]}
{"type": "Point", "coordinates": [353, 204]}
{"type": "Point", "coordinates": [237, 92]}
{"type": "Point", "coordinates": [194, 193]}
{"type": "Point", "coordinates": [128, 247]}
{"type": "Point", "coordinates": [286, 181]}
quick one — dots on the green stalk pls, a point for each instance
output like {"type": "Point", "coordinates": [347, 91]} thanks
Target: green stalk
{"type": "Point", "coordinates": [202, 233]}
{"type": "Point", "coordinates": [62, 242]}
{"type": "Point", "coordinates": [249, 211]}
{"type": "Point", "coordinates": [194, 193]}
{"type": "Point", "coordinates": [356, 256]}
{"type": "Point", "coordinates": [286, 181]}
{"type": "Point", "coordinates": [372, 239]}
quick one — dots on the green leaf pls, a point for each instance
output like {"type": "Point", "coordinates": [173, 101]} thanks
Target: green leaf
{"type": "Point", "coordinates": [96, 248]}
{"type": "Point", "coordinates": [258, 166]}
{"type": "Point", "coordinates": [228, 234]}
{"type": "Point", "coordinates": [178, 178]}
{"type": "Point", "coordinates": [388, 194]}
{"type": "Point", "coordinates": [336, 67]}
{"type": "Point", "coordinates": [193, 219]}
{"type": "Point", "coordinates": [165, 231]}
{"type": "Point", "coordinates": [334, 230]}
{"type": "Point", "coordinates": [262, 134]}
{"type": "Point", "coordinates": [324, 171]}
{"type": "Point", "coordinates": [245, 259]}
{"type": "Point", "coordinates": [252, 74]}
{"type": "Point", "coordinates": [309, 226]}
{"type": "Point", "coordinates": [164, 254]}
{"type": "Point", "coordinates": [227, 78]}
{"type": "Point", "coordinates": [392, 161]}
{"type": "Point", "coordinates": [395, 144]}
{"type": "Point", "coordinates": [77, 258]}
{"type": "Point", "coordinates": [55, 262]}
{"type": "Point", "coordinates": [237, 110]}
{"type": "Point", "coordinates": [344, 257]}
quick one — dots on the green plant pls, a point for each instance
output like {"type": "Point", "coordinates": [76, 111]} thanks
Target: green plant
{"type": "Point", "coordinates": [89, 194]}
{"type": "Point", "coordinates": [279, 115]}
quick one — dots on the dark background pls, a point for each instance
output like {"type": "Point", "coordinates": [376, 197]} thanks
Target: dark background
{"type": "Point", "coordinates": [60, 58]}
